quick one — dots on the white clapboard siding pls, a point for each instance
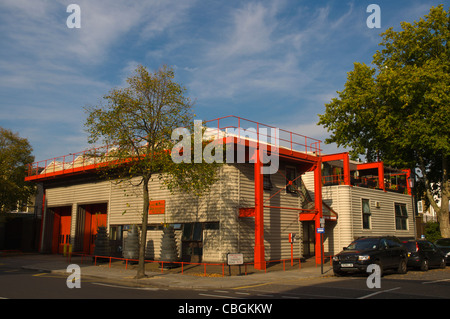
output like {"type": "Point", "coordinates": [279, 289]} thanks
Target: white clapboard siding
{"type": "Point", "coordinates": [347, 202]}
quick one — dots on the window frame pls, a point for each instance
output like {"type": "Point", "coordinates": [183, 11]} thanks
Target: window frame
{"type": "Point", "coordinates": [366, 224]}
{"type": "Point", "coordinates": [290, 189]}
{"type": "Point", "coordinates": [401, 216]}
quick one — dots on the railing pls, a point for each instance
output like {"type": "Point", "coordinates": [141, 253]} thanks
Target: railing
{"type": "Point", "coordinates": [234, 126]}
{"type": "Point", "coordinates": [366, 182]}
{"type": "Point", "coordinates": [220, 127]}
{"type": "Point", "coordinates": [71, 163]}
{"type": "Point", "coordinates": [205, 268]}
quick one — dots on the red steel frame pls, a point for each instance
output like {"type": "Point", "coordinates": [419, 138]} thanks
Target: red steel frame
{"type": "Point", "coordinates": [295, 147]}
{"type": "Point", "coordinates": [292, 146]}
{"type": "Point", "coordinates": [375, 165]}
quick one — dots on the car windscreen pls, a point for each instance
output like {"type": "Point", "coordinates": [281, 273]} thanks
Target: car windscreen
{"type": "Point", "coordinates": [364, 244]}
{"type": "Point", "coordinates": [443, 242]}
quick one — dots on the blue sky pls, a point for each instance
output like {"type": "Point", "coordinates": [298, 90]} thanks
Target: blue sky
{"type": "Point", "coordinates": [277, 62]}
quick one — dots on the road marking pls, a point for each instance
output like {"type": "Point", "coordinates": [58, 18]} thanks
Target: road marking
{"type": "Point", "coordinates": [264, 295]}
{"type": "Point", "coordinates": [251, 286]}
{"type": "Point", "coordinates": [219, 296]}
{"type": "Point", "coordinates": [432, 282]}
{"type": "Point", "coordinates": [127, 287]}
{"type": "Point", "coordinates": [378, 292]}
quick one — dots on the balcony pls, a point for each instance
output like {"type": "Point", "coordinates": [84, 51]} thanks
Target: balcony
{"type": "Point", "coordinates": [339, 170]}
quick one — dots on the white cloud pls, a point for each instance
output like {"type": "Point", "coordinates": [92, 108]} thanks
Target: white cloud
{"type": "Point", "coordinates": [266, 48]}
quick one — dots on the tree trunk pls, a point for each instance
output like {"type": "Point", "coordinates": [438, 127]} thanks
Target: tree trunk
{"type": "Point", "coordinates": [146, 203]}
{"type": "Point", "coordinates": [443, 215]}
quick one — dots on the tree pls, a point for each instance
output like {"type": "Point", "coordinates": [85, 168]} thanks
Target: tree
{"type": "Point", "coordinates": [139, 120]}
{"type": "Point", "coordinates": [15, 155]}
{"type": "Point", "coordinates": [398, 109]}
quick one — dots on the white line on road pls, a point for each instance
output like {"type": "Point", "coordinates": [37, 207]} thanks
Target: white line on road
{"type": "Point", "coordinates": [432, 282]}
{"type": "Point", "coordinates": [378, 292]}
{"type": "Point", "coordinates": [126, 287]}
{"type": "Point", "coordinates": [219, 296]}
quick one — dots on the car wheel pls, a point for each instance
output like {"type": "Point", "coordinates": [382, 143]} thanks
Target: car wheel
{"type": "Point", "coordinates": [442, 264]}
{"type": "Point", "coordinates": [424, 265]}
{"type": "Point", "coordinates": [402, 267]}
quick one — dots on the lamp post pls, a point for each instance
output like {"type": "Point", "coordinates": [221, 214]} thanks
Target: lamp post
{"type": "Point", "coordinates": [411, 186]}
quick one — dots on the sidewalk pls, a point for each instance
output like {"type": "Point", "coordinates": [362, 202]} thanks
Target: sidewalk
{"type": "Point", "coordinates": [192, 278]}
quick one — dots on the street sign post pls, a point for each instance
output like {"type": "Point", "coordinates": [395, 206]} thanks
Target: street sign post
{"type": "Point", "coordinates": [321, 231]}
{"type": "Point", "coordinates": [292, 239]}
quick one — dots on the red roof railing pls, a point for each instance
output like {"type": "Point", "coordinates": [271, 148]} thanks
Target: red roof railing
{"type": "Point", "coordinates": [262, 133]}
{"type": "Point", "coordinates": [68, 164]}
{"type": "Point", "coordinates": [224, 127]}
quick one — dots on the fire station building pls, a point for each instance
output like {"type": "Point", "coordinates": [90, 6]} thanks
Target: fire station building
{"type": "Point", "coordinates": [246, 211]}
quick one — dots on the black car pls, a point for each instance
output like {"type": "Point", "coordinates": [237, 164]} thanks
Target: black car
{"type": "Point", "coordinates": [385, 251]}
{"type": "Point", "coordinates": [444, 245]}
{"type": "Point", "coordinates": [423, 254]}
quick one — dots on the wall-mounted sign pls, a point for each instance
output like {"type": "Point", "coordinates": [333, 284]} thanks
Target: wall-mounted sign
{"type": "Point", "coordinates": [235, 259]}
{"type": "Point", "coordinates": [320, 230]}
{"type": "Point", "coordinates": [247, 212]}
{"type": "Point", "coordinates": [157, 207]}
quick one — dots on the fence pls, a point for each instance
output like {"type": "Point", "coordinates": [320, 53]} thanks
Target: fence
{"type": "Point", "coordinates": [184, 267]}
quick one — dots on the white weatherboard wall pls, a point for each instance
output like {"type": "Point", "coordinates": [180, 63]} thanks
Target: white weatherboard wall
{"type": "Point", "coordinates": [278, 223]}
{"type": "Point", "coordinates": [347, 202]}
{"type": "Point", "coordinates": [125, 208]}
{"type": "Point", "coordinates": [234, 189]}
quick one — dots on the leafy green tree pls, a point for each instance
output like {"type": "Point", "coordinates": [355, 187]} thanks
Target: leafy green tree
{"type": "Point", "coordinates": [15, 155]}
{"type": "Point", "coordinates": [397, 110]}
{"type": "Point", "coordinates": [139, 120]}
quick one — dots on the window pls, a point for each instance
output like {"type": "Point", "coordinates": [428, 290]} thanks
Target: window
{"type": "Point", "coordinates": [419, 207]}
{"type": "Point", "coordinates": [267, 183]}
{"type": "Point", "coordinates": [366, 213]}
{"type": "Point", "coordinates": [401, 217]}
{"type": "Point", "coordinates": [291, 180]}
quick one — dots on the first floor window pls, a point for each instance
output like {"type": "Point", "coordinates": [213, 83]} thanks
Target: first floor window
{"type": "Point", "coordinates": [291, 176]}
{"type": "Point", "coordinates": [401, 217]}
{"type": "Point", "coordinates": [267, 183]}
{"type": "Point", "coordinates": [366, 213]}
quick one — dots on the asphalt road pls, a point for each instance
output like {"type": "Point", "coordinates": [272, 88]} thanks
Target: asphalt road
{"type": "Point", "coordinates": [25, 284]}
{"type": "Point", "coordinates": [17, 283]}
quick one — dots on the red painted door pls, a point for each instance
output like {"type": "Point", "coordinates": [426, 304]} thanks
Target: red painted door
{"type": "Point", "coordinates": [61, 229]}
{"type": "Point", "coordinates": [95, 216]}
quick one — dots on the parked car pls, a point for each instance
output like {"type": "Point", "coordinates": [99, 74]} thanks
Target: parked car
{"type": "Point", "coordinates": [444, 245]}
{"type": "Point", "coordinates": [385, 251]}
{"type": "Point", "coordinates": [423, 254]}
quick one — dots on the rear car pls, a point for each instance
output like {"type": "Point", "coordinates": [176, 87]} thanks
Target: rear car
{"type": "Point", "coordinates": [444, 245]}
{"type": "Point", "coordinates": [385, 251]}
{"type": "Point", "coordinates": [423, 255]}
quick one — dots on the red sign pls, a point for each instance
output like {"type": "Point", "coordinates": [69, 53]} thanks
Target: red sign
{"type": "Point", "coordinates": [247, 212]}
{"type": "Point", "coordinates": [157, 207]}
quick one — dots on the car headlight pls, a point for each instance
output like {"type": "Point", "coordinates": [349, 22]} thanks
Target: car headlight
{"type": "Point", "coordinates": [448, 254]}
{"type": "Point", "coordinates": [363, 257]}
{"type": "Point", "coordinates": [336, 258]}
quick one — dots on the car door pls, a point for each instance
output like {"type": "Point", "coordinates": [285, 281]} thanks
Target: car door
{"type": "Point", "coordinates": [434, 256]}
{"type": "Point", "coordinates": [385, 253]}
{"type": "Point", "coordinates": [395, 252]}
